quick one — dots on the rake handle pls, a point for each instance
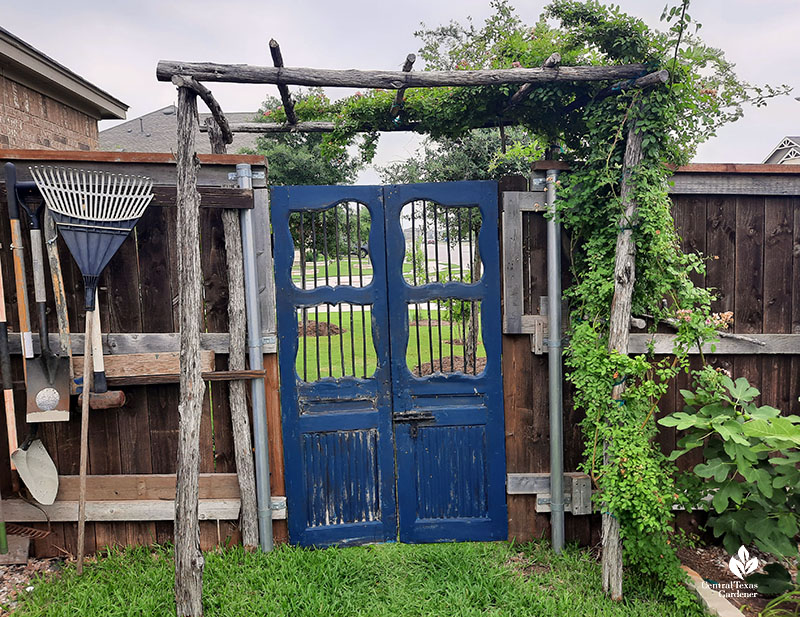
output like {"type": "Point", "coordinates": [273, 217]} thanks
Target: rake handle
{"type": "Point", "coordinates": [87, 388]}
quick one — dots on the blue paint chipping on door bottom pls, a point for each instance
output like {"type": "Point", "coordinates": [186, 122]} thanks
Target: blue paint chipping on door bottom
{"type": "Point", "coordinates": [393, 455]}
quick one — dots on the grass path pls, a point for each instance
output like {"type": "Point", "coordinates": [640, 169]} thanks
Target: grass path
{"type": "Point", "coordinates": [396, 580]}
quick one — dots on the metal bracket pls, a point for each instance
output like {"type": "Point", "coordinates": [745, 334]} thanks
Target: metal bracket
{"type": "Point", "coordinates": [577, 490]}
{"type": "Point", "coordinates": [256, 175]}
{"type": "Point", "coordinates": [269, 343]}
{"type": "Point", "coordinates": [538, 340]}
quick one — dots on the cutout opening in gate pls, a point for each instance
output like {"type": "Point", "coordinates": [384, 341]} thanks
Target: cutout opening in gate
{"type": "Point", "coordinates": [441, 243]}
{"type": "Point", "coordinates": [335, 340]}
{"type": "Point", "coordinates": [331, 246]}
{"type": "Point", "coordinates": [444, 336]}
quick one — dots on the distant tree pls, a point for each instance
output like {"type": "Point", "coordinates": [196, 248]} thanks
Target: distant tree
{"type": "Point", "coordinates": [296, 158]}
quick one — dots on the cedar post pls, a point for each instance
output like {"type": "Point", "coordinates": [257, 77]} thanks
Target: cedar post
{"type": "Point", "coordinates": [618, 337]}
{"type": "Point", "coordinates": [237, 326]}
{"type": "Point", "coordinates": [188, 557]}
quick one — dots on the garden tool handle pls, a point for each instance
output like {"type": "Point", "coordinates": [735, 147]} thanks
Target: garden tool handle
{"type": "Point", "coordinates": [19, 263]}
{"type": "Point", "coordinates": [84, 456]}
{"type": "Point", "coordinates": [37, 259]}
{"type": "Point", "coordinates": [5, 369]}
{"type": "Point", "coordinates": [11, 183]}
{"type": "Point", "coordinates": [98, 365]}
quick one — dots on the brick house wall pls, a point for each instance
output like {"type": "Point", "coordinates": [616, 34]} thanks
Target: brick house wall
{"type": "Point", "coordinates": [31, 120]}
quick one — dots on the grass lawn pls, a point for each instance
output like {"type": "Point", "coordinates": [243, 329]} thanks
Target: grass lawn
{"type": "Point", "coordinates": [396, 580]}
{"type": "Point", "coordinates": [358, 332]}
{"type": "Point", "coordinates": [343, 269]}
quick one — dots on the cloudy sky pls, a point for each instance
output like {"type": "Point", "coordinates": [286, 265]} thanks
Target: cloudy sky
{"type": "Point", "coordinates": [116, 45]}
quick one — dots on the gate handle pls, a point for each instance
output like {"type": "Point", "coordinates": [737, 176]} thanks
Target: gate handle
{"type": "Point", "coordinates": [414, 416]}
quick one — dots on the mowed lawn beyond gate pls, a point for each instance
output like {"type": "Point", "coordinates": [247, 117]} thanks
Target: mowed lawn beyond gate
{"type": "Point", "coordinates": [344, 339]}
{"type": "Point", "coordinates": [397, 580]}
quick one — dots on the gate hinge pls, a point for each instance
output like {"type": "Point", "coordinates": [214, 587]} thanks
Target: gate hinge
{"type": "Point", "coordinates": [256, 175]}
{"type": "Point", "coordinates": [538, 339]}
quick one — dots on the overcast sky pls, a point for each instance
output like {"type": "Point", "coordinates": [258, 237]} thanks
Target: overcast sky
{"type": "Point", "coordinates": [116, 45]}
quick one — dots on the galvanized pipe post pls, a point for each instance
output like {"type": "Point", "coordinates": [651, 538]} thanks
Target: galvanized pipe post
{"type": "Point", "coordinates": [244, 176]}
{"type": "Point", "coordinates": [554, 364]}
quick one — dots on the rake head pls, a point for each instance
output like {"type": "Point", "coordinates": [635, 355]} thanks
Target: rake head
{"type": "Point", "coordinates": [95, 211]}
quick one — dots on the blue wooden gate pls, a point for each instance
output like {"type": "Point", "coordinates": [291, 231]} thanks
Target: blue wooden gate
{"type": "Point", "coordinates": [385, 436]}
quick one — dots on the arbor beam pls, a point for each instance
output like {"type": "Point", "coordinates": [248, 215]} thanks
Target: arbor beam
{"type": "Point", "coordinates": [184, 81]}
{"type": "Point", "coordinates": [286, 98]}
{"type": "Point", "coordinates": [520, 95]}
{"type": "Point", "coordinates": [394, 80]}
{"type": "Point", "coordinates": [401, 93]}
{"type": "Point", "coordinates": [646, 81]}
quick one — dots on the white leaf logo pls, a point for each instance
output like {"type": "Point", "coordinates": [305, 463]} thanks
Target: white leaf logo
{"type": "Point", "coordinates": [742, 564]}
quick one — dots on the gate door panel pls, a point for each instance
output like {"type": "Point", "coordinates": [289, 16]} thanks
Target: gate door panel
{"type": "Point", "coordinates": [447, 394]}
{"type": "Point", "coordinates": [334, 364]}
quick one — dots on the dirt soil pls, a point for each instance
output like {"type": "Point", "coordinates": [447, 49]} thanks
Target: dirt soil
{"type": "Point", "coordinates": [445, 366]}
{"type": "Point", "coordinates": [14, 579]}
{"type": "Point", "coordinates": [320, 328]}
{"type": "Point", "coordinates": [711, 563]}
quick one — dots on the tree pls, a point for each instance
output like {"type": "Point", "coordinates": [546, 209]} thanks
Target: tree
{"type": "Point", "coordinates": [296, 158]}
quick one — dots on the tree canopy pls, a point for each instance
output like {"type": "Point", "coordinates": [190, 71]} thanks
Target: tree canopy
{"type": "Point", "coordinates": [295, 158]}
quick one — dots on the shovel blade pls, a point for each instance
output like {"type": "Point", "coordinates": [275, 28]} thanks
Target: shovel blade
{"type": "Point", "coordinates": [48, 399]}
{"type": "Point", "coordinates": [37, 471]}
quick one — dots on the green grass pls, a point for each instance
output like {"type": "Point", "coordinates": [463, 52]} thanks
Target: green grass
{"type": "Point", "coordinates": [334, 267]}
{"type": "Point", "coordinates": [358, 334]}
{"type": "Point", "coordinates": [397, 580]}
{"type": "Point", "coordinates": [343, 269]}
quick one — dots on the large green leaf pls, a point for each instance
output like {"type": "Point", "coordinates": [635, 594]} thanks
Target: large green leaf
{"type": "Point", "coordinates": [778, 429]}
{"type": "Point", "coordinates": [732, 490]}
{"type": "Point", "coordinates": [680, 420]}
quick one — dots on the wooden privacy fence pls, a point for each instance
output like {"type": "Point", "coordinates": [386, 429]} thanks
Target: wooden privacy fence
{"type": "Point", "coordinates": [746, 220]}
{"type": "Point", "coordinates": [132, 450]}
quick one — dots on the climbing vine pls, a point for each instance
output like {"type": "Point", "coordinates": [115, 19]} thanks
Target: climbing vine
{"type": "Point", "coordinates": [634, 479]}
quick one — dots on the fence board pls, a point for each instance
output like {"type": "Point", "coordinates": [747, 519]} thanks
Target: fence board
{"type": "Point", "coordinates": [752, 245]}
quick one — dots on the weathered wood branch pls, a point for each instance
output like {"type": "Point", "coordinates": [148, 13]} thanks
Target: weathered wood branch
{"type": "Point", "coordinates": [400, 95]}
{"type": "Point", "coordinates": [618, 340]}
{"type": "Point", "coordinates": [189, 561]}
{"type": "Point", "coordinates": [520, 95]}
{"type": "Point", "coordinates": [286, 98]}
{"type": "Point", "coordinates": [316, 126]}
{"type": "Point", "coordinates": [352, 78]}
{"type": "Point", "coordinates": [646, 81]}
{"type": "Point", "coordinates": [237, 325]}
{"type": "Point", "coordinates": [185, 81]}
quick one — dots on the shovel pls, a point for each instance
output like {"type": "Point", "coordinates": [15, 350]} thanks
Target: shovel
{"type": "Point", "coordinates": [32, 453]}
{"type": "Point", "coordinates": [49, 375]}
{"type": "Point", "coordinates": [36, 469]}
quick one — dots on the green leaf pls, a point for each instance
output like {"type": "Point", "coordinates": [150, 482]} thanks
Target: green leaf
{"type": "Point", "coordinates": [773, 582]}
{"type": "Point", "coordinates": [680, 420]}
{"type": "Point", "coordinates": [764, 482]}
{"type": "Point", "coordinates": [765, 412]}
{"type": "Point", "coordinates": [778, 428]}
{"type": "Point", "coordinates": [715, 468]}
{"type": "Point", "coordinates": [732, 490]}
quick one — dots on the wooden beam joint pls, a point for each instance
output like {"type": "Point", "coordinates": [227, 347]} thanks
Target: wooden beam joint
{"type": "Point", "coordinates": [186, 81]}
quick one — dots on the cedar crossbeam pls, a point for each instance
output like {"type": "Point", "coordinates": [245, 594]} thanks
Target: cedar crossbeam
{"type": "Point", "coordinates": [395, 80]}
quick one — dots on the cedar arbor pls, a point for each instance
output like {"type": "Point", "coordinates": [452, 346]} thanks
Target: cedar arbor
{"type": "Point", "coordinates": [188, 77]}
